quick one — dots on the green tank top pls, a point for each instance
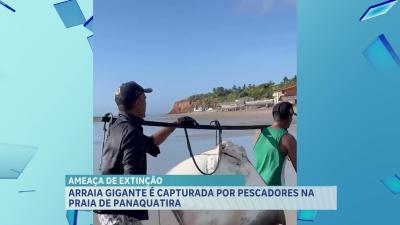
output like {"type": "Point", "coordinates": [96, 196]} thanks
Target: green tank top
{"type": "Point", "coordinates": [268, 159]}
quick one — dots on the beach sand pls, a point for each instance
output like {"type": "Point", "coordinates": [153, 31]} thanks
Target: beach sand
{"type": "Point", "coordinates": [242, 117]}
{"type": "Point", "coordinates": [228, 114]}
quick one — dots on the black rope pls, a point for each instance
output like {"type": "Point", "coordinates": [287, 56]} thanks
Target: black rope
{"type": "Point", "coordinates": [214, 125]}
{"type": "Point", "coordinates": [194, 126]}
{"type": "Point", "coordinates": [106, 123]}
{"type": "Point", "coordinates": [218, 140]}
{"type": "Point", "coordinates": [218, 125]}
{"type": "Point", "coordinates": [159, 217]}
{"type": "Point", "coordinates": [106, 127]}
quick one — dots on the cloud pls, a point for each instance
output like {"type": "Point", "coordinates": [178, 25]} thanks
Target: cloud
{"type": "Point", "coordinates": [261, 6]}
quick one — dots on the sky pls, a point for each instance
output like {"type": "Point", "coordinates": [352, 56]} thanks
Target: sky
{"type": "Point", "coordinates": [180, 48]}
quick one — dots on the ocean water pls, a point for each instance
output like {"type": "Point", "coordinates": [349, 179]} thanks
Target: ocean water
{"type": "Point", "coordinates": [174, 149]}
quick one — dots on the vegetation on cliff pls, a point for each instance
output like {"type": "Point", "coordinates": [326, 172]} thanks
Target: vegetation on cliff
{"type": "Point", "coordinates": [221, 94]}
{"type": "Point", "coordinates": [261, 91]}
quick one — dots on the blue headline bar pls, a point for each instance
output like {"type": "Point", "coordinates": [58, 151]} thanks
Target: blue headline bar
{"type": "Point", "coordinates": [153, 180]}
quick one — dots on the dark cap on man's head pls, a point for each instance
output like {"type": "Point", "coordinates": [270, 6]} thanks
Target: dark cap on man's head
{"type": "Point", "coordinates": [127, 93]}
{"type": "Point", "coordinates": [283, 110]}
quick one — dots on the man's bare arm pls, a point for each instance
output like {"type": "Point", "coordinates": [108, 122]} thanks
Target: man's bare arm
{"type": "Point", "coordinates": [160, 136]}
{"type": "Point", "coordinates": [289, 145]}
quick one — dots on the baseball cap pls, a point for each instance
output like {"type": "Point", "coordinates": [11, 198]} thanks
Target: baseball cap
{"type": "Point", "coordinates": [283, 110]}
{"type": "Point", "coordinates": [127, 93]}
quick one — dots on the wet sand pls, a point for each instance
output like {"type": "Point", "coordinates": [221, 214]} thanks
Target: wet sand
{"type": "Point", "coordinates": [229, 114]}
{"type": "Point", "coordinates": [243, 117]}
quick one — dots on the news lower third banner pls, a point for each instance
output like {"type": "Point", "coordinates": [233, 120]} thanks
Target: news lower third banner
{"type": "Point", "coordinates": [190, 192]}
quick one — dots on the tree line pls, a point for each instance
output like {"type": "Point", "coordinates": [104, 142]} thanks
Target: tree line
{"type": "Point", "coordinates": [260, 91]}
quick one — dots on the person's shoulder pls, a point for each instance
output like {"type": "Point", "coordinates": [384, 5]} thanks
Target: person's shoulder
{"type": "Point", "coordinates": [125, 126]}
{"type": "Point", "coordinates": [288, 138]}
{"type": "Point", "coordinates": [288, 135]}
{"type": "Point", "coordinates": [266, 129]}
{"type": "Point", "coordinates": [131, 127]}
{"type": "Point", "coordinates": [129, 131]}
{"type": "Point", "coordinates": [287, 142]}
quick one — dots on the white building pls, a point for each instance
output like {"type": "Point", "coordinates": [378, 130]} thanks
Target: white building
{"type": "Point", "coordinates": [288, 94]}
{"type": "Point", "coordinates": [198, 109]}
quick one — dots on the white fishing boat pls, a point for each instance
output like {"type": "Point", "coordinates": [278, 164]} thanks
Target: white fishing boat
{"type": "Point", "coordinates": [233, 161]}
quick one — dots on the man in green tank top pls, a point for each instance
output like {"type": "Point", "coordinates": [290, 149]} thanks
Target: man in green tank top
{"type": "Point", "coordinates": [274, 143]}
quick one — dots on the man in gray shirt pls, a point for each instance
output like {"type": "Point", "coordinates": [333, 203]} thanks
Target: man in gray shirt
{"type": "Point", "coordinates": [125, 150]}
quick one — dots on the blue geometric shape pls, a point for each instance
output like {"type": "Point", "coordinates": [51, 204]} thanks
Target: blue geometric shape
{"type": "Point", "coordinates": [90, 40]}
{"type": "Point", "coordinates": [382, 55]}
{"type": "Point", "coordinates": [72, 217]}
{"type": "Point", "coordinates": [26, 191]}
{"type": "Point", "coordinates": [89, 24]}
{"type": "Point", "coordinates": [7, 6]}
{"type": "Point", "coordinates": [16, 171]}
{"type": "Point", "coordinates": [378, 10]}
{"type": "Point", "coordinates": [306, 215]}
{"type": "Point", "coordinates": [85, 217]}
{"type": "Point", "coordinates": [392, 183]}
{"type": "Point", "coordinates": [13, 159]}
{"type": "Point", "coordinates": [70, 13]}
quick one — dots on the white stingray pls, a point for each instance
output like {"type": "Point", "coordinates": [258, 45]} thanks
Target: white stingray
{"type": "Point", "coordinates": [234, 161]}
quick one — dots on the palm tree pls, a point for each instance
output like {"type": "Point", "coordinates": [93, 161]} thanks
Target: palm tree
{"type": "Point", "coordinates": [285, 79]}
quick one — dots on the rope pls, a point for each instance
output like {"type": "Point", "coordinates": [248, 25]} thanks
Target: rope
{"type": "Point", "coordinates": [109, 119]}
{"type": "Point", "coordinates": [193, 126]}
{"type": "Point", "coordinates": [106, 129]}
{"type": "Point", "coordinates": [159, 217]}
{"type": "Point", "coordinates": [214, 125]}
{"type": "Point", "coordinates": [218, 141]}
